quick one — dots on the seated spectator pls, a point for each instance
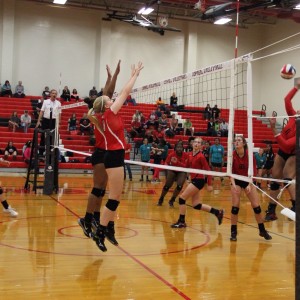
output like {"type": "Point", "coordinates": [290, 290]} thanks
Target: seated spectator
{"type": "Point", "coordinates": [85, 125]}
{"type": "Point", "coordinates": [211, 128]}
{"type": "Point", "coordinates": [136, 116]}
{"type": "Point", "coordinates": [215, 112]}
{"type": "Point", "coordinates": [188, 128]}
{"type": "Point", "coordinates": [14, 121]}
{"type": "Point", "coordinates": [152, 122]}
{"type": "Point", "coordinates": [25, 121]}
{"type": "Point", "coordinates": [19, 93]}
{"type": "Point", "coordinates": [174, 123]}
{"type": "Point", "coordinates": [75, 95]}
{"type": "Point", "coordinates": [224, 128]}
{"type": "Point", "coordinates": [6, 89]}
{"type": "Point", "coordinates": [163, 122]}
{"type": "Point", "coordinates": [46, 93]}
{"type": "Point", "coordinates": [136, 128]}
{"type": "Point", "coordinates": [10, 150]}
{"type": "Point", "coordinates": [160, 102]}
{"type": "Point", "coordinates": [66, 95]}
{"type": "Point", "coordinates": [27, 151]}
{"type": "Point", "coordinates": [217, 127]}
{"type": "Point", "coordinates": [158, 112]}
{"type": "Point", "coordinates": [207, 112]}
{"type": "Point", "coordinates": [72, 123]}
{"type": "Point", "coordinates": [130, 100]}
{"type": "Point", "coordinates": [158, 135]}
{"type": "Point", "coordinates": [38, 107]}
{"type": "Point", "coordinates": [173, 101]}
{"type": "Point", "coordinates": [100, 93]}
{"type": "Point", "coordinates": [93, 93]}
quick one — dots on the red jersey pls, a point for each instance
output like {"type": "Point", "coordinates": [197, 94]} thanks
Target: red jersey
{"type": "Point", "coordinates": [177, 161]}
{"type": "Point", "coordinates": [113, 128]}
{"type": "Point", "coordinates": [198, 161]}
{"type": "Point", "coordinates": [287, 138]}
{"type": "Point", "coordinates": [99, 136]}
{"type": "Point", "coordinates": [127, 154]}
{"type": "Point", "coordinates": [240, 164]}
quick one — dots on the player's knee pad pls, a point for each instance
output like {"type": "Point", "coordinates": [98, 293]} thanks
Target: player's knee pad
{"type": "Point", "coordinates": [257, 210]}
{"type": "Point", "coordinates": [287, 179]}
{"type": "Point", "coordinates": [1, 190]}
{"type": "Point", "coordinates": [179, 188]}
{"type": "Point", "coordinates": [274, 186]}
{"type": "Point", "coordinates": [181, 201]}
{"type": "Point", "coordinates": [98, 192]}
{"type": "Point", "coordinates": [166, 188]}
{"type": "Point", "coordinates": [112, 204]}
{"type": "Point", "coordinates": [198, 206]}
{"type": "Point", "coordinates": [235, 210]}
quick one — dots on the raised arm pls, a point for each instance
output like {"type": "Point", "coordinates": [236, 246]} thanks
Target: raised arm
{"type": "Point", "coordinates": [135, 71]}
{"type": "Point", "coordinates": [110, 89]}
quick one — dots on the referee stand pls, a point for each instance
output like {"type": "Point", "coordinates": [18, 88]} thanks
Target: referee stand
{"type": "Point", "coordinates": [43, 161]}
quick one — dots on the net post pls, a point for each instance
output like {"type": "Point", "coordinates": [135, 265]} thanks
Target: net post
{"type": "Point", "coordinates": [297, 277]}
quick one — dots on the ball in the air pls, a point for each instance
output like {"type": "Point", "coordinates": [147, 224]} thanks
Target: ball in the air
{"type": "Point", "coordinates": [287, 71]}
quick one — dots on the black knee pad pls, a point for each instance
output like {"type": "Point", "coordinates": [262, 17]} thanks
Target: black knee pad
{"type": "Point", "coordinates": [181, 201]}
{"type": "Point", "coordinates": [112, 204]}
{"type": "Point", "coordinates": [274, 186]}
{"type": "Point", "coordinates": [235, 210]}
{"type": "Point", "coordinates": [287, 179]}
{"type": "Point", "coordinates": [98, 192]}
{"type": "Point", "coordinates": [198, 206]}
{"type": "Point", "coordinates": [179, 188]}
{"type": "Point", "coordinates": [1, 191]}
{"type": "Point", "coordinates": [166, 188]}
{"type": "Point", "coordinates": [257, 210]}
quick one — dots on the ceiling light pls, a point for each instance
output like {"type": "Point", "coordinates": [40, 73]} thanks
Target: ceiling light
{"type": "Point", "coordinates": [145, 11]}
{"type": "Point", "coordinates": [297, 6]}
{"type": "Point", "coordinates": [222, 21]}
{"type": "Point", "coordinates": [59, 1]}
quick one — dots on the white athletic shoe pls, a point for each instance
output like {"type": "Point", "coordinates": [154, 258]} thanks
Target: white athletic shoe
{"type": "Point", "coordinates": [11, 211]}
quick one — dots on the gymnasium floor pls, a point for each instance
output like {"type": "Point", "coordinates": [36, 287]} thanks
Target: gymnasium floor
{"type": "Point", "coordinates": [44, 254]}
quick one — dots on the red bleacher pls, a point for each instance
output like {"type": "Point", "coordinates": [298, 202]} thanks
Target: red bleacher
{"type": "Point", "coordinates": [261, 132]}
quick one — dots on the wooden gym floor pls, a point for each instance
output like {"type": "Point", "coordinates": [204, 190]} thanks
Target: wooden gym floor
{"type": "Point", "coordinates": [44, 254]}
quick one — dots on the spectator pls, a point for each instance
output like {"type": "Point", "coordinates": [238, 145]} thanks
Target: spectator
{"type": "Point", "coordinates": [152, 122]}
{"type": "Point", "coordinates": [27, 152]}
{"type": "Point", "coordinates": [75, 95]}
{"type": "Point", "coordinates": [14, 121]}
{"type": "Point", "coordinates": [260, 158]}
{"type": "Point", "coordinates": [207, 112]}
{"type": "Point", "coordinates": [66, 95]}
{"type": "Point", "coordinates": [157, 152]}
{"type": "Point", "coordinates": [211, 128]}
{"type": "Point", "coordinates": [10, 150]}
{"type": "Point", "coordinates": [158, 112]}
{"type": "Point", "coordinates": [136, 128]}
{"type": "Point", "coordinates": [215, 112]}
{"type": "Point", "coordinates": [145, 151]}
{"type": "Point", "coordinates": [6, 89]}
{"type": "Point", "coordinates": [100, 93]}
{"type": "Point", "coordinates": [85, 125]}
{"type": "Point", "coordinates": [127, 157]}
{"type": "Point", "coordinates": [19, 93]}
{"type": "Point", "coordinates": [136, 116]}
{"type": "Point", "coordinates": [160, 102]}
{"type": "Point", "coordinates": [38, 107]}
{"type": "Point", "coordinates": [163, 122]}
{"type": "Point", "coordinates": [206, 150]}
{"type": "Point", "coordinates": [131, 100]}
{"type": "Point", "coordinates": [72, 123]}
{"type": "Point", "coordinates": [224, 128]}
{"type": "Point", "coordinates": [188, 128]}
{"type": "Point", "coordinates": [46, 93]}
{"type": "Point", "coordinates": [93, 93]}
{"type": "Point", "coordinates": [25, 121]}
{"type": "Point", "coordinates": [217, 128]}
{"type": "Point", "coordinates": [189, 146]}
{"type": "Point", "coordinates": [173, 101]}
{"type": "Point", "coordinates": [216, 156]}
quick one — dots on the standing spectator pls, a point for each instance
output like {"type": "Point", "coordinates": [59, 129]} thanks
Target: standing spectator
{"type": "Point", "coordinates": [215, 112]}
{"type": "Point", "coordinates": [188, 128]}
{"type": "Point", "coordinates": [66, 95]}
{"type": "Point", "coordinates": [75, 95]}
{"type": "Point", "coordinates": [224, 128]}
{"type": "Point", "coordinates": [173, 101]}
{"type": "Point", "coordinates": [6, 89]}
{"type": "Point", "coordinates": [14, 121]}
{"type": "Point", "coordinates": [19, 92]}
{"type": "Point", "coordinates": [260, 159]}
{"type": "Point", "coordinates": [25, 121]}
{"type": "Point", "coordinates": [240, 167]}
{"type": "Point", "coordinates": [49, 116]}
{"type": "Point", "coordinates": [46, 93]}
{"type": "Point", "coordinates": [10, 150]}
{"type": "Point", "coordinates": [38, 107]}
{"type": "Point", "coordinates": [127, 157]}
{"type": "Point", "coordinates": [216, 156]}
{"type": "Point", "coordinates": [93, 93]}
{"type": "Point", "coordinates": [145, 151]}
{"type": "Point", "coordinates": [85, 125]}
{"type": "Point", "coordinates": [196, 160]}
{"type": "Point", "coordinates": [72, 123]}
{"type": "Point", "coordinates": [207, 112]}
{"type": "Point", "coordinates": [6, 207]}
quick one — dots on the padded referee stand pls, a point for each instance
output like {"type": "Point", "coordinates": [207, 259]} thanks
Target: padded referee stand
{"type": "Point", "coordinates": [43, 160]}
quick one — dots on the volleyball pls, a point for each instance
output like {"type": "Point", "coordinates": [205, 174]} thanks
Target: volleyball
{"type": "Point", "coordinates": [287, 71]}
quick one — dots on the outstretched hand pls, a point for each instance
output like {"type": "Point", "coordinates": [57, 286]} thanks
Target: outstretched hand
{"type": "Point", "coordinates": [108, 71]}
{"type": "Point", "coordinates": [135, 70]}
